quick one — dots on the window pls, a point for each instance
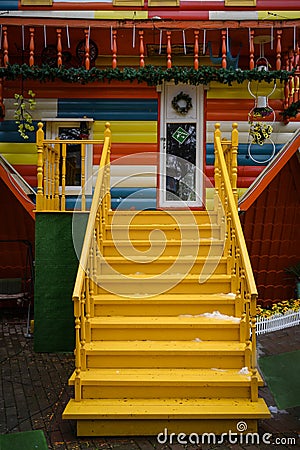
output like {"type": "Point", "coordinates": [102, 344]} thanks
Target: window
{"type": "Point", "coordinates": [70, 129]}
{"type": "Point", "coordinates": [158, 3]}
{"type": "Point", "coordinates": [128, 2]}
{"type": "Point", "coordinates": [36, 2]}
{"type": "Point", "coordinates": [240, 2]}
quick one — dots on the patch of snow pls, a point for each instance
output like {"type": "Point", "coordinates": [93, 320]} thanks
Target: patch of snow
{"type": "Point", "coordinates": [218, 370]}
{"type": "Point", "coordinates": [229, 294]}
{"type": "Point", "coordinates": [244, 371]}
{"type": "Point", "coordinates": [218, 315]}
{"type": "Point", "coordinates": [197, 340]}
{"type": "Point", "coordinates": [275, 410]}
{"type": "Point", "coordinates": [189, 316]}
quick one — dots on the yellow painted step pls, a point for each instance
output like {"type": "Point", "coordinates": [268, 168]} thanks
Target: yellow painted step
{"type": "Point", "coordinates": [164, 305]}
{"type": "Point", "coordinates": [183, 327]}
{"type": "Point", "coordinates": [158, 248]}
{"type": "Point", "coordinates": [143, 264]}
{"type": "Point", "coordinates": [171, 383]}
{"type": "Point", "coordinates": [152, 285]}
{"type": "Point", "coordinates": [151, 416]}
{"type": "Point", "coordinates": [164, 354]}
{"type": "Point", "coordinates": [162, 217]}
{"type": "Point", "coordinates": [163, 231]}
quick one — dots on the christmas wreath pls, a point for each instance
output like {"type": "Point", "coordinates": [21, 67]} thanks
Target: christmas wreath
{"type": "Point", "coordinates": [182, 103]}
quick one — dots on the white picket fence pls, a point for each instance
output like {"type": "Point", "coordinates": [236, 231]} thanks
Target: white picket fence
{"type": "Point", "coordinates": [277, 322]}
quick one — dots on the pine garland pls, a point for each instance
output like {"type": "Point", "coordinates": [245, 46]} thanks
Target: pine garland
{"type": "Point", "coordinates": [151, 75]}
{"type": "Point", "coordinates": [292, 110]}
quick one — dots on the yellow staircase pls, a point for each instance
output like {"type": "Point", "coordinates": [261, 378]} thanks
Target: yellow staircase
{"type": "Point", "coordinates": [164, 307]}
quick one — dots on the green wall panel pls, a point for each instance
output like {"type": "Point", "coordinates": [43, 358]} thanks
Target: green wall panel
{"type": "Point", "coordinates": [56, 265]}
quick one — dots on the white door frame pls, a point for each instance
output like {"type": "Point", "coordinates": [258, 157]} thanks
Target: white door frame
{"type": "Point", "coordinates": [169, 115]}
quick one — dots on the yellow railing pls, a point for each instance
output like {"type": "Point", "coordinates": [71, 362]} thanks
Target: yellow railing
{"type": "Point", "coordinates": [239, 266]}
{"type": "Point", "coordinates": [52, 183]}
{"type": "Point", "coordinates": [85, 285]}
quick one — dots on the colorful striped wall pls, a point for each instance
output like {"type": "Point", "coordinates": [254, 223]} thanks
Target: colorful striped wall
{"type": "Point", "coordinates": [188, 10]}
{"type": "Point", "coordinates": [133, 112]}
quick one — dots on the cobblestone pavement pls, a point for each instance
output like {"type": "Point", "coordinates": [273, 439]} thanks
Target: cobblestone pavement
{"type": "Point", "coordinates": [34, 392]}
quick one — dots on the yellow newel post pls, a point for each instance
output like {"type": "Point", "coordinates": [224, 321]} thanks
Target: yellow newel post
{"type": "Point", "coordinates": [217, 134]}
{"type": "Point", "coordinates": [40, 166]}
{"type": "Point", "coordinates": [56, 177]}
{"type": "Point", "coordinates": [83, 177]}
{"type": "Point", "coordinates": [63, 177]}
{"type": "Point", "coordinates": [234, 162]}
{"type": "Point", "coordinates": [107, 134]}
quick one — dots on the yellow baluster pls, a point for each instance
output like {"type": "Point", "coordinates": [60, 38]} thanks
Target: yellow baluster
{"type": "Point", "coordinates": [56, 180]}
{"type": "Point", "coordinates": [83, 176]}
{"type": "Point", "coordinates": [40, 166]}
{"type": "Point", "coordinates": [63, 177]}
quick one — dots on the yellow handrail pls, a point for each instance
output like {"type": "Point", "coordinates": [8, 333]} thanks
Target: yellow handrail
{"type": "Point", "coordinates": [239, 265]}
{"type": "Point", "coordinates": [232, 206]}
{"type": "Point", "coordinates": [85, 285]}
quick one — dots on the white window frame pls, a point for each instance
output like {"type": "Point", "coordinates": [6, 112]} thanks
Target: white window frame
{"type": "Point", "coordinates": [52, 127]}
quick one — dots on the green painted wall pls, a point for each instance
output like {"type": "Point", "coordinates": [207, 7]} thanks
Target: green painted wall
{"type": "Point", "coordinates": [56, 265]}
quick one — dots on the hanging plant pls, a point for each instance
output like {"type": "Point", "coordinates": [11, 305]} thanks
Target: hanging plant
{"type": "Point", "coordinates": [22, 115]}
{"type": "Point", "coordinates": [260, 131]}
{"type": "Point", "coordinates": [182, 103]}
{"type": "Point", "coordinates": [261, 112]}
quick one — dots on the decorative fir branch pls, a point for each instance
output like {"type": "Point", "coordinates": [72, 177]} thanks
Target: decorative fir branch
{"type": "Point", "coordinates": [151, 75]}
{"type": "Point", "coordinates": [292, 110]}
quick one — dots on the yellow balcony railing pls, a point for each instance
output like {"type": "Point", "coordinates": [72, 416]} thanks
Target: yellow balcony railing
{"type": "Point", "coordinates": [53, 173]}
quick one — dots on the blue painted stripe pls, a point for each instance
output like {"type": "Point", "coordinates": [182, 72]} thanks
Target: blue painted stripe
{"type": "Point", "coordinates": [9, 132]}
{"type": "Point", "coordinates": [109, 109]}
{"type": "Point", "coordinates": [133, 193]}
{"type": "Point", "coordinates": [138, 204]}
{"type": "Point", "coordinates": [260, 153]}
{"type": "Point", "coordinates": [9, 5]}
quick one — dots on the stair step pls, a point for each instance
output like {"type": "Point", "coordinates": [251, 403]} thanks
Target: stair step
{"type": "Point", "coordinates": [172, 383]}
{"type": "Point", "coordinates": [164, 354]}
{"type": "Point", "coordinates": [144, 416]}
{"type": "Point", "coordinates": [170, 231]}
{"type": "Point", "coordinates": [184, 327]}
{"type": "Point", "coordinates": [152, 285]}
{"type": "Point", "coordinates": [164, 305]}
{"type": "Point", "coordinates": [157, 248]}
{"type": "Point", "coordinates": [143, 264]}
{"type": "Point", "coordinates": [162, 217]}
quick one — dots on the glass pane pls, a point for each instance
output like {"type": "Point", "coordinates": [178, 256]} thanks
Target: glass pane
{"type": "Point", "coordinates": [73, 158]}
{"type": "Point", "coordinates": [181, 162]}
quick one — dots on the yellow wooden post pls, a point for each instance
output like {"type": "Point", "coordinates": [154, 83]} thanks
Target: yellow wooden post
{"type": "Point", "coordinates": [40, 165]}
{"type": "Point", "coordinates": [52, 177]}
{"type": "Point", "coordinates": [83, 176]}
{"type": "Point", "coordinates": [107, 134]}
{"type": "Point", "coordinates": [63, 177]}
{"type": "Point", "coordinates": [56, 180]}
{"type": "Point", "coordinates": [234, 163]}
{"type": "Point", "coordinates": [217, 172]}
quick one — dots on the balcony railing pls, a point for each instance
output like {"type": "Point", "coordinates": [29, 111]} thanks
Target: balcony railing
{"type": "Point", "coordinates": [52, 170]}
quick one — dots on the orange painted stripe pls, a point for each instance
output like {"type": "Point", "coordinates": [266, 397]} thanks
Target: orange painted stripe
{"type": "Point", "coordinates": [58, 89]}
{"type": "Point", "coordinates": [120, 150]}
{"type": "Point", "coordinates": [28, 172]}
{"type": "Point", "coordinates": [219, 110]}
